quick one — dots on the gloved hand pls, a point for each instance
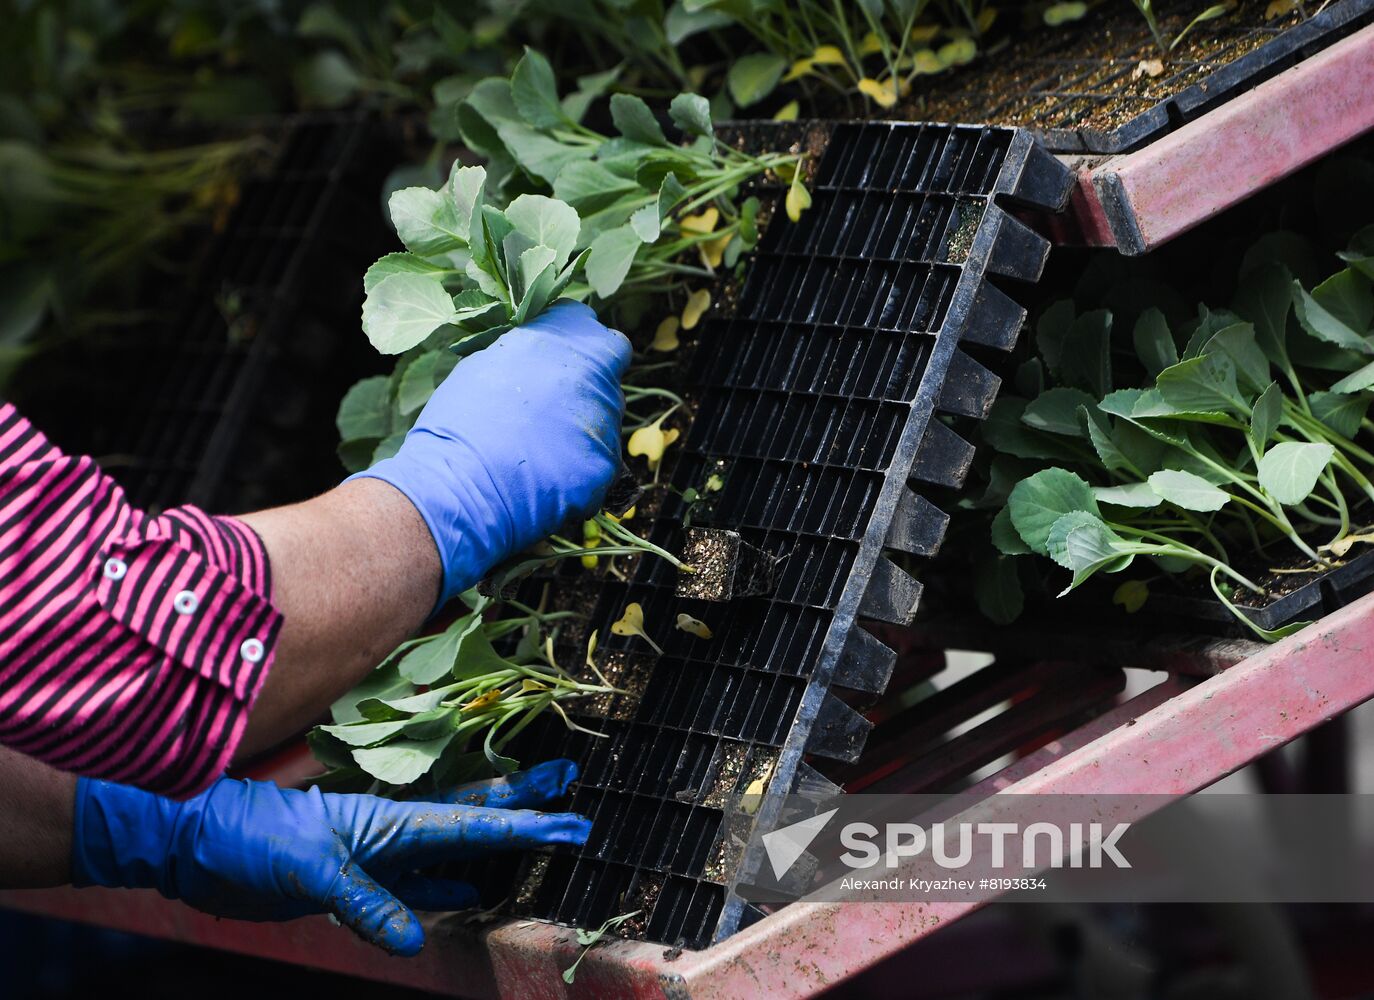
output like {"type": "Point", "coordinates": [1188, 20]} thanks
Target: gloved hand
{"type": "Point", "coordinates": [251, 850]}
{"type": "Point", "coordinates": [521, 436]}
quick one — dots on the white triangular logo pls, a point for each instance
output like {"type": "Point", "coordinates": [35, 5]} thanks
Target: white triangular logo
{"type": "Point", "coordinates": [785, 846]}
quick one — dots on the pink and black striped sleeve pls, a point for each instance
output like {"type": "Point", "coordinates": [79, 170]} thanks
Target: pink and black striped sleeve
{"type": "Point", "coordinates": [132, 647]}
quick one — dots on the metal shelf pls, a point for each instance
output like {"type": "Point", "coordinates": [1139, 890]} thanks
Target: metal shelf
{"type": "Point", "coordinates": [1142, 200]}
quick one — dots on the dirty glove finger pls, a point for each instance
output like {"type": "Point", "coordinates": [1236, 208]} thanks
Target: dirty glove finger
{"type": "Point", "coordinates": [374, 914]}
{"type": "Point", "coordinates": [529, 789]}
{"type": "Point", "coordinates": [434, 833]}
{"type": "Point", "coordinates": [434, 895]}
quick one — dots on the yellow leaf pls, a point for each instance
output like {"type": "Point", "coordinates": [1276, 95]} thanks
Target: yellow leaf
{"type": "Point", "coordinates": [1341, 546]}
{"type": "Point", "coordinates": [647, 442]}
{"type": "Point", "coordinates": [788, 112]}
{"type": "Point", "coordinates": [882, 94]}
{"type": "Point", "coordinates": [714, 483]}
{"type": "Point", "coordinates": [870, 44]}
{"type": "Point", "coordinates": [650, 441]}
{"type": "Point", "coordinates": [1064, 12]}
{"type": "Point", "coordinates": [591, 646]}
{"type": "Point", "coordinates": [1279, 8]}
{"type": "Point", "coordinates": [828, 55]}
{"type": "Point", "coordinates": [799, 69]}
{"type": "Point", "coordinates": [700, 225]}
{"type": "Point", "coordinates": [957, 52]}
{"type": "Point", "coordinates": [753, 793]}
{"type": "Point", "coordinates": [986, 18]}
{"type": "Point", "coordinates": [632, 623]}
{"type": "Point", "coordinates": [694, 627]}
{"type": "Point", "coordinates": [665, 336]}
{"type": "Point", "coordinates": [591, 533]}
{"type": "Point", "coordinates": [924, 33]}
{"type": "Point", "coordinates": [529, 684]}
{"type": "Point", "coordinates": [590, 562]}
{"type": "Point", "coordinates": [1132, 595]}
{"type": "Point", "coordinates": [786, 171]}
{"type": "Point", "coordinates": [484, 700]}
{"type": "Point", "coordinates": [697, 304]}
{"type": "Point", "coordinates": [626, 516]}
{"type": "Point", "coordinates": [712, 251]}
{"type": "Point", "coordinates": [798, 198]}
{"type": "Point", "coordinates": [696, 75]}
{"type": "Point", "coordinates": [750, 805]}
{"type": "Point", "coordinates": [924, 62]}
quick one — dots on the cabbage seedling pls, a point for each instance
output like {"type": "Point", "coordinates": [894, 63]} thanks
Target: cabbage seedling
{"type": "Point", "coordinates": [618, 213]}
{"type": "Point", "coordinates": [445, 706]}
{"type": "Point", "coordinates": [470, 266]}
{"type": "Point", "coordinates": [1240, 440]}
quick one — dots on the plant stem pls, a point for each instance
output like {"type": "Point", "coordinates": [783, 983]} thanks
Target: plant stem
{"type": "Point", "coordinates": [618, 531]}
{"type": "Point", "coordinates": [1329, 479]}
{"type": "Point", "coordinates": [1266, 508]}
{"type": "Point", "coordinates": [635, 393]}
{"type": "Point", "coordinates": [1173, 547]}
{"type": "Point", "coordinates": [1317, 430]}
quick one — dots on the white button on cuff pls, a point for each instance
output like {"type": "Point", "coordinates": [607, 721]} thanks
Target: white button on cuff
{"type": "Point", "coordinates": [252, 650]}
{"type": "Point", "coordinates": [115, 569]}
{"type": "Point", "coordinates": [185, 603]}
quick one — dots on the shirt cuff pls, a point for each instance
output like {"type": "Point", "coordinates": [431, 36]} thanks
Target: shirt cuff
{"type": "Point", "coordinates": [197, 589]}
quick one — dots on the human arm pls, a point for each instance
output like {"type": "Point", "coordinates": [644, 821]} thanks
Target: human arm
{"type": "Point", "coordinates": [254, 851]}
{"type": "Point", "coordinates": [519, 437]}
{"type": "Point", "coordinates": [35, 822]}
{"type": "Point", "coordinates": [136, 646]}
{"type": "Point", "coordinates": [355, 573]}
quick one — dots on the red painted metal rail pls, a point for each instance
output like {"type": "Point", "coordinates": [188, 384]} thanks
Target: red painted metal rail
{"type": "Point", "coordinates": [1138, 201]}
{"type": "Point", "coordinates": [1170, 741]}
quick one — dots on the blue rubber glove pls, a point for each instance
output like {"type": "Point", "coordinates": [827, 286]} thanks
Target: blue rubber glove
{"type": "Point", "coordinates": [251, 850]}
{"type": "Point", "coordinates": [519, 438]}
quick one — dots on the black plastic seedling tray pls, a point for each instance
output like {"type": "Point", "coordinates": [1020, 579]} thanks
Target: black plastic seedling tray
{"type": "Point", "coordinates": [817, 402]}
{"type": "Point", "coordinates": [1177, 612]}
{"type": "Point", "coordinates": [1067, 89]}
{"type": "Point", "coordinates": [229, 403]}
{"type": "Point", "coordinates": [1324, 594]}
